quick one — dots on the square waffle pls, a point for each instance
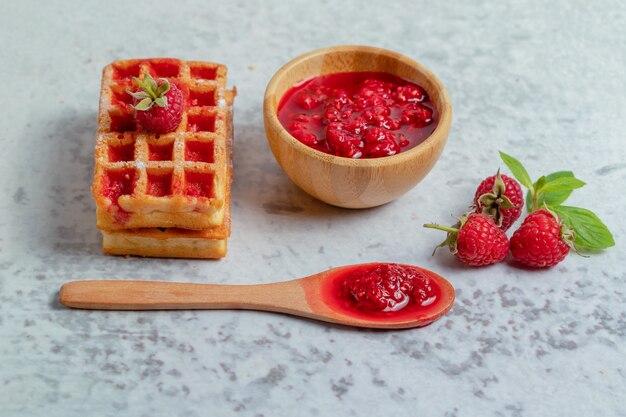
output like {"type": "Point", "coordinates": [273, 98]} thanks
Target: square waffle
{"type": "Point", "coordinates": [175, 180]}
{"type": "Point", "coordinates": [169, 243]}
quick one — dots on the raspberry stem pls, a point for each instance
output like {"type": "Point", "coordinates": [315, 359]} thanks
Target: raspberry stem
{"type": "Point", "coordinates": [440, 227]}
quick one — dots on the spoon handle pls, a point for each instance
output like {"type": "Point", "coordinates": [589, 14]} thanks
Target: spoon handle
{"type": "Point", "coordinates": [285, 297]}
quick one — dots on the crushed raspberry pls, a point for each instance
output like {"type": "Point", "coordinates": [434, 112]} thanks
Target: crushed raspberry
{"type": "Point", "coordinates": [410, 93]}
{"type": "Point", "coordinates": [308, 101]}
{"type": "Point", "coordinates": [343, 142]}
{"type": "Point", "coordinates": [334, 113]}
{"type": "Point", "coordinates": [387, 287]}
{"type": "Point", "coordinates": [417, 114]}
{"type": "Point", "coordinates": [380, 142]}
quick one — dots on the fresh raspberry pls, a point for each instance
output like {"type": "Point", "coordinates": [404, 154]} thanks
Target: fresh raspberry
{"type": "Point", "coordinates": [158, 105]}
{"type": "Point", "coordinates": [541, 241]}
{"type": "Point", "coordinates": [476, 240]}
{"type": "Point", "coordinates": [388, 287]}
{"type": "Point", "coordinates": [501, 198]}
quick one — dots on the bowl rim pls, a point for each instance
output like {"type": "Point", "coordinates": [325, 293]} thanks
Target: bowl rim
{"type": "Point", "coordinates": [440, 132]}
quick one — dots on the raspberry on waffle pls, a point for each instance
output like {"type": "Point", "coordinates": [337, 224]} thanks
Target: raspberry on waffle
{"type": "Point", "coordinates": [175, 180]}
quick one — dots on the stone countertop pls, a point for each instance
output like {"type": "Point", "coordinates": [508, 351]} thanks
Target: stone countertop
{"type": "Point", "coordinates": [543, 81]}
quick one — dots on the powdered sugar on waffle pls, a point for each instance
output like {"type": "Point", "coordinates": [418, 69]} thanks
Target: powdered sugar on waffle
{"type": "Point", "coordinates": [171, 188]}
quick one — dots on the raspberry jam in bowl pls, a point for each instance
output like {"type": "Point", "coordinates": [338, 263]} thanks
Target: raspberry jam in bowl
{"type": "Point", "coordinates": [358, 114]}
{"type": "Point", "coordinates": [356, 126]}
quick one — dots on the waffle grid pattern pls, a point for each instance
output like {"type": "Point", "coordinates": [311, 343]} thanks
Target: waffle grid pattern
{"type": "Point", "coordinates": [180, 179]}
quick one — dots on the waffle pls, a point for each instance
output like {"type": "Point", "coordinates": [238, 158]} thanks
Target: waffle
{"type": "Point", "coordinates": [176, 180]}
{"type": "Point", "coordinates": [169, 243]}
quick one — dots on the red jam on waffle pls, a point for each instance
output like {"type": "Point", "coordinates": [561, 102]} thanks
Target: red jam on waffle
{"type": "Point", "coordinates": [177, 179]}
{"type": "Point", "coordinates": [358, 114]}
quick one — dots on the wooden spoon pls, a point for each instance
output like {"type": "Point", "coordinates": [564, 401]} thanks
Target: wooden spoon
{"type": "Point", "coordinates": [309, 297]}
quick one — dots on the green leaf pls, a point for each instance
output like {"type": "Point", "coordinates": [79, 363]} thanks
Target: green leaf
{"type": "Point", "coordinates": [540, 183]}
{"type": "Point", "coordinates": [144, 104]}
{"type": "Point", "coordinates": [518, 170]}
{"type": "Point", "coordinates": [551, 199]}
{"type": "Point", "coordinates": [163, 88]}
{"type": "Point", "coordinates": [138, 95]}
{"type": "Point", "coordinates": [590, 232]}
{"type": "Point", "coordinates": [161, 101]}
{"type": "Point", "coordinates": [562, 184]}
{"type": "Point", "coordinates": [139, 82]}
{"type": "Point", "coordinates": [149, 81]}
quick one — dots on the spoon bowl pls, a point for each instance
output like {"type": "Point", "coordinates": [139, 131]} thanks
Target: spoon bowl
{"type": "Point", "coordinates": [305, 297]}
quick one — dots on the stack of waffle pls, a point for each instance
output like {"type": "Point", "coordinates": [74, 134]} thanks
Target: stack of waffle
{"type": "Point", "coordinates": [165, 195]}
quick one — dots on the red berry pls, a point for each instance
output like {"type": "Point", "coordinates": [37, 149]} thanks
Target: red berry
{"type": "Point", "coordinates": [158, 105]}
{"type": "Point", "coordinates": [500, 197]}
{"type": "Point", "coordinates": [377, 134]}
{"type": "Point", "coordinates": [331, 114]}
{"type": "Point", "coordinates": [477, 241]}
{"type": "Point", "coordinates": [342, 142]}
{"type": "Point", "coordinates": [387, 147]}
{"type": "Point", "coordinates": [541, 241]}
{"type": "Point", "coordinates": [309, 139]}
{"type": "Point", "coordinates": [417, 114]}
{"type": "Point", "coordinates": [307, 100]}
{"type": "Point", "coordinates": [380, 142]}
{"type": "Point", "coordinates": [410, 94]}
{"type": "Point", "coordinates": [357, 125]}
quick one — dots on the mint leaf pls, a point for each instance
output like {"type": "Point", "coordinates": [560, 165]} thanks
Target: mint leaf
{"type": "Point", "coordinates": [561, 184]}
{"type": "Point", "coordinates": [538, 185]}
{"type": "Point", "coordinates": [553, 198]}
{"type": "Point", "coordinates": [590, 232]}
{"type": "Point", "coordinates": [518, 170]}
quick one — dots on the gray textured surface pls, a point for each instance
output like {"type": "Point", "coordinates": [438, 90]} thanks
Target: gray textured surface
{"type": "Point", "coordinates": [542, 80]}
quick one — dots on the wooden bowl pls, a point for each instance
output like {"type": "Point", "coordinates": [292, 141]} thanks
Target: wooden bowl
{"type": "Point", "coordinates": [345, 182]}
